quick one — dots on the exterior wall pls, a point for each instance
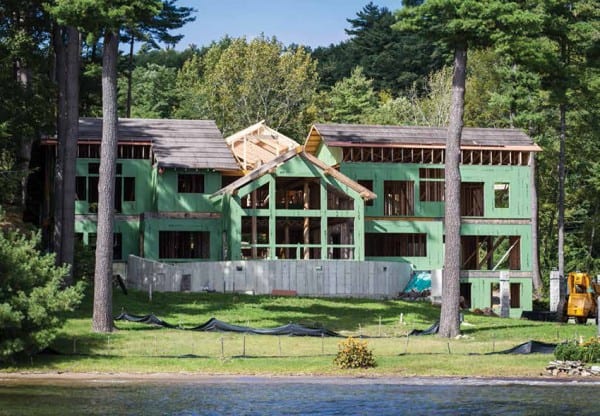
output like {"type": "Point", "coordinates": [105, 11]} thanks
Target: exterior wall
{"type": "Point", "coordinates": [307, 278]}
{"type": "Point", "coordinates": [433, 229]}
{"type": "Point", "coordinates": [140, 169]}
{"type": "Point", "coordinates": [294, 168]}
{"type": "Point", "coordinates": [129, 227]}
{"type": "Point", "coordinates": [481, 293]}
{"type": "Point", "coordinates": [169, 200]}
{"type": "Point", "coordinates": [153, 225]}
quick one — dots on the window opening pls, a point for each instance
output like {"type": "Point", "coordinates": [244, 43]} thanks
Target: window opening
{"type": "Point", "coordinates": [395, 245]}
{"type": "Point", "coordinates": [501, 195]}
{"type": "Point", "coordinates": [190, 183]}
{"type": "Point", "coordinates": [399, 198]}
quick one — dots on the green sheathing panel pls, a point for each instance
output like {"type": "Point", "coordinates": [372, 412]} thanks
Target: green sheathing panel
{"type": "Point", "coordinates": [140, 169]}
{"type": "Point", "coordinates": [330, 155]}
{"type": "Point", "coordinates": [129, 229]}
{"type": "Point", "coordinates": [434, 231]}
{"type": "Point", "coordinates": [481, 293]}
{"type": "Point", "coordinates": [169, 200]}
{"type": "Point", "coordinates": [295, 168]}
{"type": "Point", "coordinates": [524, 231]}
{"type": "Point", "coordinates": [152, 227]}
{"type": "Point", "coordinates": [517, 178]}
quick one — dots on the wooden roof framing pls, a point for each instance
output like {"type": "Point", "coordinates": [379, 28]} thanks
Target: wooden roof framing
{"type": "Point", "coordinates": [269, 166]}
{"type": "Point", "coordinates": [356, 135]}
{"type": "Point", "coordinates": [258, 144]}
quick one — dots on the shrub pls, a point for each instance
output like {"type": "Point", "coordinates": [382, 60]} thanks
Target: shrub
{"type": "Point", "coordinates": [353, 353]}
{"type": "Point", "coordinates": [587, 352]}
{"type": "Point", "coordinates": [32, 300]}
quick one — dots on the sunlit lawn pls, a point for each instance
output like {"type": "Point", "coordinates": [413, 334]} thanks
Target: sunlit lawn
{"type": "Point", "coordinates": [384, 324]}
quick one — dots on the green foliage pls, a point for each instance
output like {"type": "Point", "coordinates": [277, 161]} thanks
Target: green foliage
{"type": "Point", "coordinates": [153, 91]}
{"type": "Point", "coordinates": [587, 352]}
{"type": "Point", "coordinates": [429, 107]}
{"type": "Point", "coordinates": [394, 61]}
{"type": "Point", "coordinates": [353, 353]}
{"type": "Point", "coordinates": [246, 82]}
{"type": "Point", "coordinates": [32, 301]}
{"type": "Point", "coordinates": [352, 99]}
{"type": "Point", "coordinates": [84, 262]}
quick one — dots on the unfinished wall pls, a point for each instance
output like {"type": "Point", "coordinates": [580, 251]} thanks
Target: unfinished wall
{"type": "Point", "coordinates": [307, 278]}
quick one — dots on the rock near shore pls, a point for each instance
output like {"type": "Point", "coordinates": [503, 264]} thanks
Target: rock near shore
{"type": "Point", "coordinates": [572, 368]}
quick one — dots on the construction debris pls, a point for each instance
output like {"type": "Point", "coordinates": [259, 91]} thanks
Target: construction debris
{"type": "Point", "coordinates": [572, 368]}
{"type": "Point", "coordinates": [415, 295]}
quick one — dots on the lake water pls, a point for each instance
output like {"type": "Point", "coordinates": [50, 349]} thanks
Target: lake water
{"type": "Point", "coordinates": [303, 396]}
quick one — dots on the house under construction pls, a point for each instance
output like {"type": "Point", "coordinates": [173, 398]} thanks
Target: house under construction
{"type": "Point", "coordinates": [352, 194]}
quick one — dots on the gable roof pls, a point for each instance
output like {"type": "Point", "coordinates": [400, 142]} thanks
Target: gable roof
{"type": "Point", "coordinates": [194, 144]}
{"type": "Point", "coordinates": [355, 135]}
{"type": "Point", "coordinates": [232, 188]}
{"type": "Point", "coordinates": [258, 144]}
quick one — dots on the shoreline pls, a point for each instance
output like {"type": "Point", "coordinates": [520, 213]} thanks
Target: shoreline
{"type": "Point", "coordinates": [92, 378]}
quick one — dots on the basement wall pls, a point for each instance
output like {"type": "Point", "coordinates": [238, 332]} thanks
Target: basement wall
{"type": "Point", "coordinates": [334, 278]}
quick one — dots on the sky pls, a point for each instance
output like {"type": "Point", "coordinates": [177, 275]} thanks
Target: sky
{"type": "Point", "coordinates": [306, 22]}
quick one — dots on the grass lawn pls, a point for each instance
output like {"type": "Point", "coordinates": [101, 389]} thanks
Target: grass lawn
{"type": "Point", "coordinates": [140, 348]}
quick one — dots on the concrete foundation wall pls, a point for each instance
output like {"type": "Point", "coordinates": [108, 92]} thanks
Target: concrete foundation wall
{"type": "Point", "coordinates": [371, 279]}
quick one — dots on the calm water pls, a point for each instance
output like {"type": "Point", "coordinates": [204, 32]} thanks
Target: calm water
{"type": "Point", "coordinates": [263, 396]}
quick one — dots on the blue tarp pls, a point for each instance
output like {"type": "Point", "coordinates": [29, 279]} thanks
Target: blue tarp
{"type": "Point", "coordinates": [420, 281]}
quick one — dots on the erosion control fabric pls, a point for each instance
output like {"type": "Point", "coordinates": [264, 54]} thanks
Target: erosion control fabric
{"type": "Point", "coordinates": [214, 324]}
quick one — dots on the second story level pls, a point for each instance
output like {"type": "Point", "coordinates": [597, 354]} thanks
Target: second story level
{"type": "Point", "coordinates": [162, 165]}
{"type": "Point", "coordinates": [404, 166]}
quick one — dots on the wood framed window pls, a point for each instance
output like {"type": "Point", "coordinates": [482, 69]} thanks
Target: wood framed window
{"type": "Point", "coordinates": [431, 184]}
{"type": "Point", "coordinates": [184, 245]}
{"type": "Point", "coordinates": [129, 188]}
{"type": "Point", "coordinates": [471, 199]}
{"type": "Point", "coordinates": [501, 195]}
{"type": "Point", "coordinates": [399, 198]}
{"type": "Point", "coordinates": [395, 245]}
{"type": "Point", "coordinates": [190, 183]}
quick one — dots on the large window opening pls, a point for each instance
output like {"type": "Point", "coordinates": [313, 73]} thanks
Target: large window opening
{"type": "Point", "coordinates": [399, 198]}
{"type": "Point", "coordinates": [491, 252]}
{"type": "Point", "coordinates": [431, 185]}
{"type": "Point", "coordinates": [337, 200]}
{"type": "Point", "coordinates": [184, 245]}
{"type": "Point", "coordinates": [395, 245]}
{"type": "Point", "coordinates": [255, 237]}
{"type": "Point", "coordinates": [471, 199]}
{"type": "Point", "coordinates": [298, 193]}
{"type": "Point", "coordinates": [257, 199]}
{"type": "Point", "coordinates": [86, 188]}
{"type": "Point", "coordinates": [190, 183]}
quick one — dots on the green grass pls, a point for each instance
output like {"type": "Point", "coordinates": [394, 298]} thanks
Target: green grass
{"type": "Point", "coordinates": [139, 348]}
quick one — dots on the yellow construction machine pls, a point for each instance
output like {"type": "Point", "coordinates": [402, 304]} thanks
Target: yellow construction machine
{"type": "Point", "coordinates": [583, 294]}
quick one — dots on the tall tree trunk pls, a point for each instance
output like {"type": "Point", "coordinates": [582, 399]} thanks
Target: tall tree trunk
{"type": "Point", "coordinates": [61, 133]}
{"type": "Point", "coordinates": [67, 49]}
{"type": "Point", "coordinates": [73, 54]}
{"type": "Point", "coordinates": [24, 78]}
{"type": "Point", "coordinates": [449, 317]}
{"type": "Point", "coordinates": [562, 291]}
{"type": "Point", "coordinates": [535, 254]}
{"type": "Point", "coordinates": [102, 316]}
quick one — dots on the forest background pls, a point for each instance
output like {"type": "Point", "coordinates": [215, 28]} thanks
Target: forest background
{"type": "Point", "coordinates": [379, 75]}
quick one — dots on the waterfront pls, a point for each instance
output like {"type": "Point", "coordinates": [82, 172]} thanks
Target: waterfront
{"type": "Point", "coordinates": [294, 396]}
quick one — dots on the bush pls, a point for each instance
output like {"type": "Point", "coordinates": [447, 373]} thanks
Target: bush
{"type": "Point", "coordinates": [32, 300]}
{"type": "Point", "coordinates": [587, 352]}
{"type": "Point", "coordinates": [354, 354]}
